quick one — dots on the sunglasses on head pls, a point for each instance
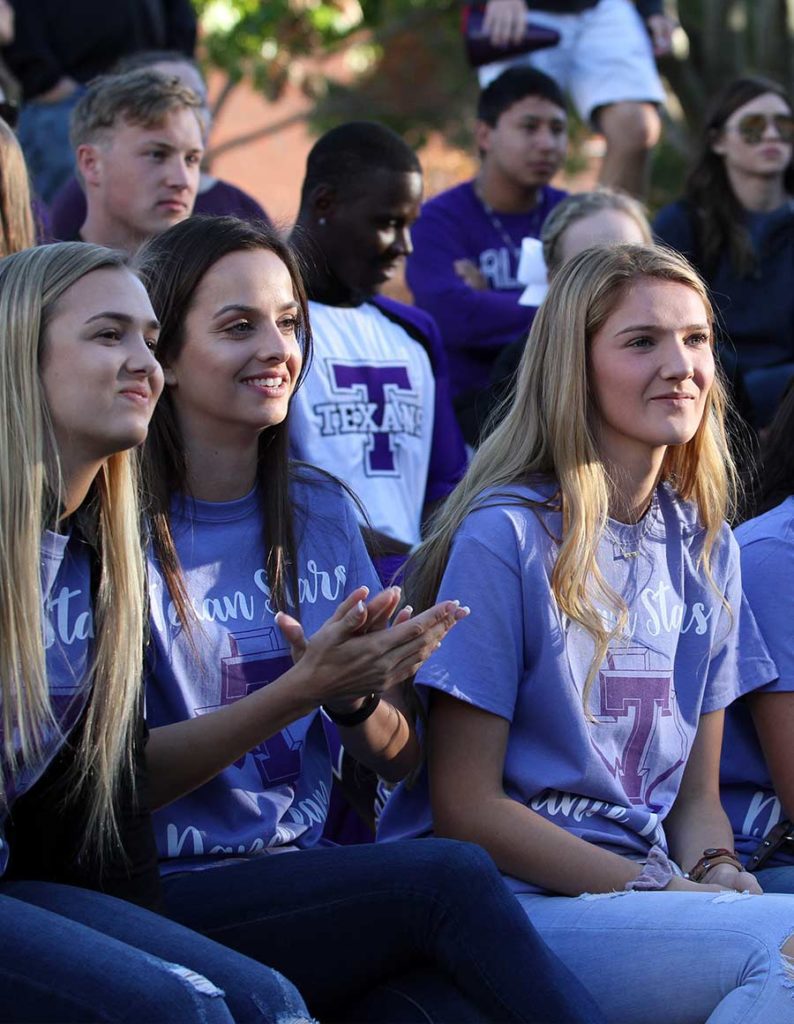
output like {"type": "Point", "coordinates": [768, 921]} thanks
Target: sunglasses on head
{"type": "Point", "coordinates": [752, 127]}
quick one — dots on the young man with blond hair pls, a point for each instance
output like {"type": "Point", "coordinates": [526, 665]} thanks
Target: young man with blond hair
{"type": "Point", "coordinates": [138, 143]}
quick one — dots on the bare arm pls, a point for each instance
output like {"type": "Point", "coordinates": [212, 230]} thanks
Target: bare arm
{"type": "Point", "coordinates": [340, 665]}
{"type": "Point", "coordinates": [696, 820]}
{"type": "Point", "coordinates": [773, 717]}
{"type": "Point", "coordinates": [466, 752]}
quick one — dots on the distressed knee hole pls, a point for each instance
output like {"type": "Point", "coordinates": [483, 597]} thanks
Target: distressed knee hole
{"type": "Point", "coordinates": [731, 897]}
{"type": "Point", "coordinates": [606, 895]}
{"type": "Point", "coordinates": [193, 980]}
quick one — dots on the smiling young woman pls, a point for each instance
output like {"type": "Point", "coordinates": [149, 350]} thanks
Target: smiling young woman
{"type": "Point", "coordinates": [574, 725]}
{"type": "Point", "coordinates": [78, 384]}
{"type": "Point", "coordinates": [238, 751]}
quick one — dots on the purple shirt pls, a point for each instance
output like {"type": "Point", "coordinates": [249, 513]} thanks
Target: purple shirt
{"type": "Point", "coordinates": [68, 633]}
{"type": "Point", "coordinates": [474, 324]}
{"type": "Point", "coordinates": [610, 780]}
{"type": "Point", "coordinates": [277, 794]}
{"type": "Point", "coordinates": [748, 795]}
{"type": "Point", "coordinates": [68, 208]}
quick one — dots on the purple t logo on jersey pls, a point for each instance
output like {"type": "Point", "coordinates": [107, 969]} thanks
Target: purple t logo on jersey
{"type": "Point", "coordinates": [382, 404]}
{"type": "Point", "coordinates": [637, 697]}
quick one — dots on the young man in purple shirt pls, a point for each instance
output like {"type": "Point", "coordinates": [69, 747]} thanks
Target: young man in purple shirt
{"type": "Point", "coordinates": [467, 241]}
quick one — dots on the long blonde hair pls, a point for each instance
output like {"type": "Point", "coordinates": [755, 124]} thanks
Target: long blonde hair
{"type": "Point", "coordinates": [17, 230]}
{"type": "Point", "coordinates": [548, 431]}
{"type": "Point", "coordinates": [31, 283]}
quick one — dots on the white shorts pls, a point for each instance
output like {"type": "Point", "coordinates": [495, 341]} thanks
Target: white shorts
{"type": "Point", "coordinates": [604, 56]}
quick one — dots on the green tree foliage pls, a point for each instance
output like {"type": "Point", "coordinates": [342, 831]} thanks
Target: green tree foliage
{"type": "Point", "coordinates": [403, 59]}
{"type": "Point", "coordinates": [405, 62]}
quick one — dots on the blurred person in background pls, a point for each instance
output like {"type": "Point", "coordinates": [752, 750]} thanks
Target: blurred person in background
{"type": "Point", "coordinates": [58, 48]}
{"type": "Point", "coordinates": [138, 141]}
{"type": "Point", "coordinates": [215, 197]}
{"type": "Point", "coordinates": [735, 224]}
{"type": "Point", "coordinates": [467, 240]}
{"type": "Point", "coordinates": [17, 220]}
{"type": "Point", "coordinates": [600, 217]}
{"type": "Point", "coordinates": [605, 61]}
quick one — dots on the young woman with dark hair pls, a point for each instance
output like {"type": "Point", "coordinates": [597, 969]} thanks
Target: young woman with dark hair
{"type": "Point", "coordinates": [250, 555]}
{"type": "Point", "coordinates": [735, 223]}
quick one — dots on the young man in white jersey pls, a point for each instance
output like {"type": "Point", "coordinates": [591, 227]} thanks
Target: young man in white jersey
{"type": "Point", "coordinates": [375, 407]}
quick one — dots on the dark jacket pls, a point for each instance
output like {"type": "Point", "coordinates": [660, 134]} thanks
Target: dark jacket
{"type": "Point", "coordinates": [84, 38]}
{"type": "Point", "coordinates": [756, 312]}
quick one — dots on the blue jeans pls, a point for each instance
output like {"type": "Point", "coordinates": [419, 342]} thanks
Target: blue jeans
{"type": "Point", "coordinates": [777, 879]}
{"type": "Point", "coordinates": [676, 957]}
{"type": "Point", "coordinates": [70, 955]}
{"type": "Point", "coordinates": [43, 134]}
{"type": "Point", "coordinates": [423, 930]}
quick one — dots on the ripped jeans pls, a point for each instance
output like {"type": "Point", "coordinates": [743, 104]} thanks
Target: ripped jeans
{"type": "Point", "coordinates": [70, 955]}
{"type": "Point", "coordinates": [677, 957]}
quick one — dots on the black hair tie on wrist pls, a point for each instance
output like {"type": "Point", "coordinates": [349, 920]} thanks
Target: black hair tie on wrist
{"type": "Point", "coordinates": [355, 717]}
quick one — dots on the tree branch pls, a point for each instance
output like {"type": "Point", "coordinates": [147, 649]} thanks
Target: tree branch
{"type": "Point", "coordinates": [254, 136]}
{"type": "Point", "coordinates": [221, 99]}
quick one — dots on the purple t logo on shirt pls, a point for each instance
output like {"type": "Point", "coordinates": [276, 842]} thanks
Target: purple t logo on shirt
{"type": "Point", "coordinates": [372, 406]}
{"type": "Point", "coordinates": [629, 690]}
{"type": "Point", "coordinates": [255, 661]}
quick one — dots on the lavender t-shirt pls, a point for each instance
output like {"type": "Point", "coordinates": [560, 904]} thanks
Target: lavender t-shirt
{"type": "Point", "coordinates": [276, 795]}
{"type": "Point", "coordinates": [611, 780]}
{"type": "Point", "coordinates": [748, 795]}
{"type": "Point", "coordinates": [68, 633]}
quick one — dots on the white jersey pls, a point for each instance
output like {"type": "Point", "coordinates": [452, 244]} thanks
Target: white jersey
{"type": "Point", "coordinates": [365, 413]}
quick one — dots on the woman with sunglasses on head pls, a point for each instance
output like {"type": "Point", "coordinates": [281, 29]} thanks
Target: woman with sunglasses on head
{"type": "Point", "coordinates": [251, 554]}
{"type": "Point", "coordinates": [757, 771]}
{"type": "Point", "coordinates": [574, 725]}
{"type": "Point", "coordinates": [735, 223]}
{"type": "Point", "coordinates": [78, 383]}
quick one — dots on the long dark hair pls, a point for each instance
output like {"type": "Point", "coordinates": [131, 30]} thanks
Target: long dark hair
{"type": "Point", "coordinates": [777, 457]}
{"type": "Point", "coordinates": [718, 214]}
{"type": "Point", "coordinates": [172, 265]}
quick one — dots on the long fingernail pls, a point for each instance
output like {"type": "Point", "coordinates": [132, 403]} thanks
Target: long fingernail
{"type": "Point", "coordinates": [409, 608]}
{"type": "Point", "coordinates": [466, 610]}
{"type": "Point", "coordinates": [360, 608]}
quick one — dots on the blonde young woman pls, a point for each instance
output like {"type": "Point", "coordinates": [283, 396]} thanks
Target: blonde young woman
{"type": "Point", "coordinates": [574, 721]}
{"type": "Point", "coordinates": [78, 384]}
